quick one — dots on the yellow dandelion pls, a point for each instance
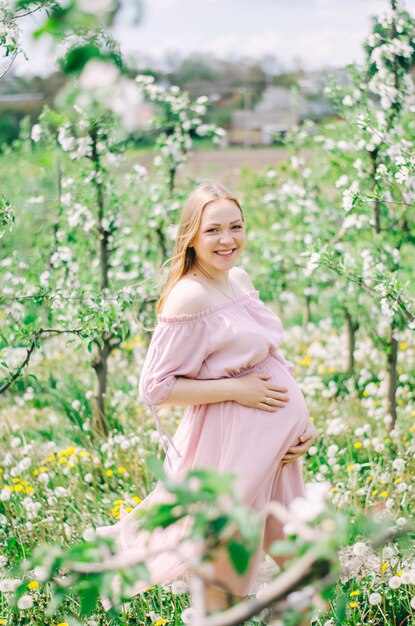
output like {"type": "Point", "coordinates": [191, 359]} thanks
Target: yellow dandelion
{"type": "Point", "coordinates": [2, 621]}
{"type": "Point", "coordinates": [365, 393]}
{"type": "Point", "coordinates": [161, 621]}
{"type": "Point", "coordinates": [383, 494]}
{"type": "Point", "coordinates": [19, 488]}
{"type": "Point", "coordinates": [354, 593]}
{"type": "Point", "coordinates": [350, 468]}
{"type": "Point", "coordinates": [136, 499]}
{"type": "Point", "coordinates": [119, 501]}
{"type": "Point", "coordinates": [374, 492]}
{"type": "Point", "coordinates": [63, 624]}
{"type": "Point", "coordinates": [335, 489]}
{"type": "Point", "coordinates": [63, 459]}
{"type": "Point", "coordinates": [330, 369]}
{"type": "Point", "coordinates": [33, 584]}
{"type": "Point", "coordinates": [84, 453]}
{"type": "Point", "coordinates": [128, 509]}
{"type": "Point", "coordinates": [15, 480]}
{"type": "Point", "coordinates": [353, 605]}
{"type": "Point", "coordinates": [29, 489]}
{"type": "Point", "coordinates": [399, 573]}
{"type": "Point", "coordinates": [121, 470]}
{"type": "Point", "coordinates": [403, 346]}
{"type": "Point", "coordinates": [398, 480]}
{"type": "Point", "coordinates": [384, 567]}
{"type": "Point", "coordinates": [129, 347]}
{"type": "Point", "coordinates": [306, 360]}
{"type": "Point", "coordinates": [358, 445]}
{"type": "Point", "coordinates": [1, 470]}
{"type": "Point", "coordinates": [369, 478]}
{"type": "Point", "coordinates": [109, 472]}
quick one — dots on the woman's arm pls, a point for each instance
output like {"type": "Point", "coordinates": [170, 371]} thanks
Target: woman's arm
{"type": "Point", "coordinates": [253, 390]}
{"type": "Point", "coordinates": [189, 391]}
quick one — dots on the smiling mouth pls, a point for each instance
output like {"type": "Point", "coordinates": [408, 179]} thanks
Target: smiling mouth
{"type": "Point", "coordinates": [225, 252]}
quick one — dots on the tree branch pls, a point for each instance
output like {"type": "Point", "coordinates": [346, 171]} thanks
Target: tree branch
{"type": "Point", "coordinates": [30, 350]}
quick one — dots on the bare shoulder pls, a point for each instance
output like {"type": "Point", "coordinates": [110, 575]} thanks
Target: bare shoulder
{"type": "Point", "coordinates": [242, 279]}
{"type": "Point", "coordinates": [187, 296]}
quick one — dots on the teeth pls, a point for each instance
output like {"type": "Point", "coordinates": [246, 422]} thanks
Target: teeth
{"type": "Point", "coordinates": [224, 253]}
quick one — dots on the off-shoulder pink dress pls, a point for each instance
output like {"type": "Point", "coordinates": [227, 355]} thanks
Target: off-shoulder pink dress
{"type": "Point", "coordinates": [233, 338]}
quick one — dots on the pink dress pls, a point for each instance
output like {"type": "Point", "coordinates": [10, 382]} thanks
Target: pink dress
{"type": "Point", "coordinates": [233, 338]}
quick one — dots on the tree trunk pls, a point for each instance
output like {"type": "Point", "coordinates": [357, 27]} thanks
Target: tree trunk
{"type": "Point", "coordinates": [172, 179]}
{"type": "Point", "coordinates": [307, 311]}
{"type": "Point", "coordinates": [391, 374]}
{"type": "Point", "coordinates": [351, 328]}
{"type": "Point", "coordinates": [374, 158]}
{"type": "Point", "coordinates": [100, 365]}
{"type": "Point", "coordinates": [162, 243]}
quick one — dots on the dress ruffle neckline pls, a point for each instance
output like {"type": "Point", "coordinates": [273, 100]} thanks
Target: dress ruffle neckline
{"type": "Point", "coordinates": [214, 308]}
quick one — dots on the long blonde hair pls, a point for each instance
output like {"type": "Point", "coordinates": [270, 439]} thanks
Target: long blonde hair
{"type": "Point", "coordinates": [184, 257]}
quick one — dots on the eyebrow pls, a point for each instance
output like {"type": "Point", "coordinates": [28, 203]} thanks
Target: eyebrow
{"type": "Point", "coordinates": [234, 222]}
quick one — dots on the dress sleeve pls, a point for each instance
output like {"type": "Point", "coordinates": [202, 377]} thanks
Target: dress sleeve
{"type": "Point", "coordinates": [287, 364]}
{"type": "Point", "coordinates": [176, 349]}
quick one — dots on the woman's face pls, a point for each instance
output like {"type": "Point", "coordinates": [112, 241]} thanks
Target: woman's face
{"type": "Point", "coordinates": [221, 236]}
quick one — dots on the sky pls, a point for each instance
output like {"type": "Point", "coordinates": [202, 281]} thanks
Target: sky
{"type": "Point", "coordinates": [319, 33]}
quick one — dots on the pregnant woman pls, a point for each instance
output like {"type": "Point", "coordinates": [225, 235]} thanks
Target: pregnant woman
{"type": "Point", "coordinates": [215, 349]}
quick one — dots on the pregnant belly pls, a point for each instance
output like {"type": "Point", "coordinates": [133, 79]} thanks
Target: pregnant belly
{"type": "Point", "coordinates": [233, 437]}
{"type": "Point", "coordinates": [281, 376]}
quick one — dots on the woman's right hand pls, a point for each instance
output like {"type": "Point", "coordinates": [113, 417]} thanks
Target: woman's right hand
{"type": "Point", "coordinates": [255, 391]}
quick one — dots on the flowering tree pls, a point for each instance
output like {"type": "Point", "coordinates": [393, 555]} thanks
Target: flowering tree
{"type": "Point", "coordinates": [93, 254]}
{"type": "Point", "coordinates": [347, 193]}
{"type": "Point", "coordinates": [379, 198]}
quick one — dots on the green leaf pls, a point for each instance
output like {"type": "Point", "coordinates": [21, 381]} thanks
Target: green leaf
{"type": "Point", "coordinates": [281, 548]}
{"type": "Point", "coordinates": [88, 597]}
{"type": "Point", "coordinates": [162, 515]}
{"type": "Point", "coordinates": [239, 556]}
{"type": "Point", "coordinates": [78, 57]}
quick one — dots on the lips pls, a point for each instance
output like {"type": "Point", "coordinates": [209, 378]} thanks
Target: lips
{"type": "Point", "coordinates": [225, 253]}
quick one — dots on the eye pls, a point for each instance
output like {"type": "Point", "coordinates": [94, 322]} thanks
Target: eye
{"type": "Point", "coordinates": [237, 226]}
{"type": "Point", "coordinates": [211, 230]}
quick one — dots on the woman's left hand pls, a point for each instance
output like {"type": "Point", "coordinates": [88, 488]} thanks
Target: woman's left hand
{"type": "Point", "coordinates": [306, 441]}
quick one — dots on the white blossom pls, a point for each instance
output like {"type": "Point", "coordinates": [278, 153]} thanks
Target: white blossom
{"type": "Point", "coordinates": [25, 602]}
{"type": "Point", "coordinates": [395, 582]}
{"type": "Point", "coordinates": [36, 132]}
{"type": "Point", "coordinates": [375, 598]}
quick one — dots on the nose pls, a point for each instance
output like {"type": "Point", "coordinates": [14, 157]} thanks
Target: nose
{"type": "Point", "coordinates": [226, 236]}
